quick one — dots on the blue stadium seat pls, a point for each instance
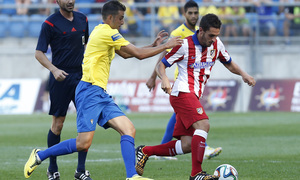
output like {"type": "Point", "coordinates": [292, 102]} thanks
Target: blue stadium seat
{"type": "Point", "coordinates": [18, 25]}
{"type": "Point", "coordinates": [8, 11]}
{"type": "Point", "coordinates": [146, 28]}
{"type": "Point", "coordinates": [34, 24]}
{"type": "Point", "coordinates": [4, 20]}
{"type": "Point", "coordinates": [85, 11]}
{"type": "Point", "coordinates": [94, 20]}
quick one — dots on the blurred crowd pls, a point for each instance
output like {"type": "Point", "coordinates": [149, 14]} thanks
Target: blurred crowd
{"type": "Point", "coordinates": [239, 17]}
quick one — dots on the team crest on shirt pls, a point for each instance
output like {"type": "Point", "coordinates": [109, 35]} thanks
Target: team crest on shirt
{"type": "Point", "coordinates": [212, 53]}
{"type": "Point", "coordinates": [92, 121]}
{"type": "Point", "coordinates": [116, 36]}
{"type": "Point", "coordinates": [200, 110]}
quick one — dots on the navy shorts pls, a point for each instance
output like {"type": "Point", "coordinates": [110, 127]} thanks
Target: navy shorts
{"type": "Point", "coordinates": [62, 93]}
{"type": "Point", "coordinates": [94, 106]}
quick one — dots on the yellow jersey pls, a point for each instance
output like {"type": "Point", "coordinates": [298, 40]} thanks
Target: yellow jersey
{"type": "Point", "coordinates": [99, 53]}
{"type": "Point", "coordinates": [184, 32]}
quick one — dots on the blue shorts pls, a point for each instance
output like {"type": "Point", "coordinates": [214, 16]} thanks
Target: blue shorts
{"type": "Point", "coordinates": [62, 93]}
{"type": "Point", "coordinates": [94, 106]}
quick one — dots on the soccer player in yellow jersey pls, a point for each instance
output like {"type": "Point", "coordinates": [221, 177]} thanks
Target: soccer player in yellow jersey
{"type": "Point", "coordinates": [188, 28]}
{"type": "Point", "coordinates": [94, 105]}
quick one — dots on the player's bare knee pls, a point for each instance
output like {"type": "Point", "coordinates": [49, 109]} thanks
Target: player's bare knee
{"type": "Point", "coordinates": [202, 124]}
{"type": "Point", "coordinates": [82, 146]}
{"type": "Point", "coordinates": [130, 131]}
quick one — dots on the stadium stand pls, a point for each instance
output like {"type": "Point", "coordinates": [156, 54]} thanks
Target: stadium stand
{"type": "Point", "coordinates": [34, 24]}
{"type": "Point", "coordinates": [8, 11]}
{"type": "Point", "coordinates": [4, 23]}
{"type": "Point", "coordinates": [18, 25]}
{"type": "Point", "coordinates": [85, 11]}
{"type": "Point", "coordinates": [94, 20]}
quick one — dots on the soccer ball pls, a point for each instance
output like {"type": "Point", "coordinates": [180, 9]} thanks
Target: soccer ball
{"type": "Point", "coordinates": [226, 172]}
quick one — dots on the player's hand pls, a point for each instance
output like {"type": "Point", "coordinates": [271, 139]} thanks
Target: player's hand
{"type": "Point", "coordinates": [249, 80]}
{"type": "Point", "coordinates": [59, 75]}
{"type": "Point", "coordinates": [175, 41]}
{"type": "Point", "coordinates": [161, 36]}
{"type": "Point", "coordinates": [151, 83]}
{"type": "Point", "coordinates": [166, 86]}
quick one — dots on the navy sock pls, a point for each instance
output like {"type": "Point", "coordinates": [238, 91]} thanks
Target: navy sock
{"type": "Point", "coordinates": [81, 161]}
{"type": "Point", "coordinates": [62, 148]}
{"type": "Point", "coordinates": [52, 140]}
{"type": "Point", "coordinates": [168, 136]}
{"type": "Point", "coordinates": [128, 153]}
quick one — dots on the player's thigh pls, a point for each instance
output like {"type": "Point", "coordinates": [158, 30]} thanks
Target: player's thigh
{"type": "Point", "coordinates": [122, 125]}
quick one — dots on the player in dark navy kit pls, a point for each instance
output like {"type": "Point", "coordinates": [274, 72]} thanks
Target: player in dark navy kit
{"type": "Point", "coordinates": [66, 31]}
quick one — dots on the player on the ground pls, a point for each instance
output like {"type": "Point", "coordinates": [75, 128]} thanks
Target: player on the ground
{"type": "Point", "coordinates": [195, 59]}
{"type": "Point", "coordinates": [94, 105]}
{"type": "Point", "coordinates": [188, 28]}
{"type": "Point", "coordinates": [66, 31]}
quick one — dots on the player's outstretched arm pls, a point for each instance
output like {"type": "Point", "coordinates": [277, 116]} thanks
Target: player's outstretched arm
{"type": "Point", "coordinates": [234, 68]}
{"type": "Point", "coordinates": [58, 74]}
{"type": "Point", "coordinates": [145, 52]}
{"type": "Point", "coordinates": [161, 73]}
{"type": "Point", "coordinates": [151, 81]}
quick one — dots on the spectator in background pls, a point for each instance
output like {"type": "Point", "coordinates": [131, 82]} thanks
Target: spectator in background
{"type": "Point", "coordinates": [132, 15]}
{"type": "Point", "coordinates": [291, 21]}
{"type": "Point", "coordinates": [168, 15]}
{"type": "Point", "coordinates": [265, 12]}
{"type": "Point", "coordinates": [42, 11]}
{"type": "Point", "coordinates": [143, 10]}
{"type": "Point", "coordinates": [229, 29]}
{"type": "Point", "coordinates": [235, 21]}
{"type": "Point", "coordinates": [203, 10]}
{"type": "Point", "coordinates": [241, 21]}
{"type": "Point", "coordinates": [22, 6]}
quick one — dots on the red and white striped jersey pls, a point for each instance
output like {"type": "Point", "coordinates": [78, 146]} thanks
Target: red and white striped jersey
{"type": "Point", "coordinates": [194, 64]}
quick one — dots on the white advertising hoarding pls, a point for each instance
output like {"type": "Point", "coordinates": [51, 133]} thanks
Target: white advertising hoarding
{"type": "Point", "coordinates": [18, 96]}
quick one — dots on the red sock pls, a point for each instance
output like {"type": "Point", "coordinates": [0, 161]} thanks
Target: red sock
{"type": "Point", "coordinates": [167, 149]}
{"type": "Point", "coordinates": [198, 148]}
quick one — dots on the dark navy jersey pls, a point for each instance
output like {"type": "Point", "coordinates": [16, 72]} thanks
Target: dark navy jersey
{"type": "Point", "coordinates": [66, 39]}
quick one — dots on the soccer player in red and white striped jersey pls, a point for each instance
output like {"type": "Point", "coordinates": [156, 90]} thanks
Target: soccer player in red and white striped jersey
{"type": "Point", "coordinates": [195, 59]}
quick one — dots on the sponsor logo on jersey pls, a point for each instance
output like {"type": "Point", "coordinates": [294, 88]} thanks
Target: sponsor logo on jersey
{"type": "Point", "coordinates": [201, 65]}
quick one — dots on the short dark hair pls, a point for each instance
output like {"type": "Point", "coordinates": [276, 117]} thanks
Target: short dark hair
{"type": "Point", "coordinates": [112, 8]}
{"type": "Point", "coordinates": [210, 20]}
{"type": "Point", "coordinates": [190, 4]}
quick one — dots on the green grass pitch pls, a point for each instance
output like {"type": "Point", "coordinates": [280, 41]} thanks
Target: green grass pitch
{"type": "Point", "coordinates": [260, 145]}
